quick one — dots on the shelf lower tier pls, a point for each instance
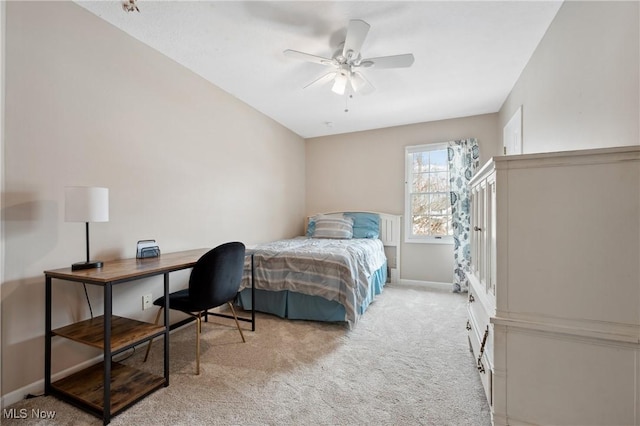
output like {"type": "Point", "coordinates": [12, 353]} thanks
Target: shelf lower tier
{"type": "Point", "coordinates": [128, 385]}
{"type": "Point", "coordinates": [124, 332]}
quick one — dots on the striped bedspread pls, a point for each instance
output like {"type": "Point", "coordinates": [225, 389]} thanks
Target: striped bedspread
{"type": "Point", "coordinates": [337, 270]}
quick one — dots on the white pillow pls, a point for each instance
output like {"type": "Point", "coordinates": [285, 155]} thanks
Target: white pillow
{"type": "Point", "coordinates": [333, 227]}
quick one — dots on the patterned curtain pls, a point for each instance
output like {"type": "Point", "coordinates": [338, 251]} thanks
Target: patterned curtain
{"type": "Point", "coordinates": [464, 158]}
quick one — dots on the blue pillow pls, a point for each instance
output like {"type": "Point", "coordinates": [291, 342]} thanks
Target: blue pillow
{"type": "Point", "coordinates": [311, 227]}
{"type": "Point", "coordinates": [365, 225]}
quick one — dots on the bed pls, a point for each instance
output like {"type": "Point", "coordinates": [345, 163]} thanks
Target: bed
{"type": "Point", "coordinates": [333, 273]}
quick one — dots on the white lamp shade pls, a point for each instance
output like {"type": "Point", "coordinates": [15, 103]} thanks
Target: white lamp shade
{"type": "Point", "coordinates": [86, 204]}
{"type": "Point", "coordinates": [340, 83]}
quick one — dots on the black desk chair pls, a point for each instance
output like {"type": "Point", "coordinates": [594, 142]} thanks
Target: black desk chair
{"type": "Point", "coordinates": [214, 281]}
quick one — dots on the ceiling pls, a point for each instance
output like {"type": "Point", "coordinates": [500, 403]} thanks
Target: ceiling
{"type": "Point", "coordinates": [468, 54]}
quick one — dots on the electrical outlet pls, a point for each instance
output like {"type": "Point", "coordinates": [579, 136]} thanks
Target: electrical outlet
{"type": "Point", "coordinates": [146, 301]}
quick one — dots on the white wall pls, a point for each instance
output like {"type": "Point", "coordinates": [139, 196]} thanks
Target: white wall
{"type": "Point", "coordinates": [88, 105]}
{"type": "Point", "coordinates": [580, 88]}
{"type": "Point", "coordinates": [365, 171]}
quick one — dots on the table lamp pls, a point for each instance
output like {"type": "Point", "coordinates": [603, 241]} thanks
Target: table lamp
{"type": "Point", "coordinates": [86, 204]}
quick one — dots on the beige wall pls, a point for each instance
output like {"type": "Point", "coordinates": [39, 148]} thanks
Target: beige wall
{"type": "Point", "coordinates": [186, 164]}
{"type": "Point", "coordinates": [191, 166]}
{"type": "Point", "coordinates": [365, 171]}
{"type": "Point", "coordinates": [580, 88]}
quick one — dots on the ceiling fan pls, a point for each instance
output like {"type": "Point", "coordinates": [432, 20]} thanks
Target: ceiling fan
{"type": "Point", "coordinates": [347, 61]}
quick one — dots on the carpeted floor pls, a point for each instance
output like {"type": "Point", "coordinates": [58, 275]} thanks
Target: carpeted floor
{"type": "Point", "coordinates": [407, 362]}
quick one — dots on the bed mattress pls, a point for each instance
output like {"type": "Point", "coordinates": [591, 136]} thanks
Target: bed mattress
{"type": "Point", "coordinates": [349, 272]}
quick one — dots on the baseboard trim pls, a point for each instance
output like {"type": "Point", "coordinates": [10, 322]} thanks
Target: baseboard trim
{"type": "Point", "coordinates": [37, 388]}
{"type": "Point", "coordinates": [425, 284]}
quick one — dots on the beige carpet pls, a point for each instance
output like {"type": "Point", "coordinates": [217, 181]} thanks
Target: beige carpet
{"type": "Point", "coordinates": [406, 362]}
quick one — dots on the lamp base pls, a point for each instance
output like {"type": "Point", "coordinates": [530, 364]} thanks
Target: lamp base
{"type": "Point", "coordinates": [86, 265]}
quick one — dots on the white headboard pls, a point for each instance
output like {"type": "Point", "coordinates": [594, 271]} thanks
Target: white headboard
{"type": "Point", "coordinates": [390, 229]}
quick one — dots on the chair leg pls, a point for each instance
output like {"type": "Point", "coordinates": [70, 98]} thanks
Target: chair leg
{"type": "Point", "coordinates": [146, 355]}
{"type": "Point", "coordinates": [198, 331]}
{"type": "Point", "coordinates": [233, 311]}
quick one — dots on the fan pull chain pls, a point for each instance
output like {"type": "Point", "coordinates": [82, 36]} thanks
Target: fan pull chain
{"type": "Point", "coordinates": [346, 103]}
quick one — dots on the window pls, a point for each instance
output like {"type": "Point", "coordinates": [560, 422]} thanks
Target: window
{"type": "Point", "coordinates": [427, 205]}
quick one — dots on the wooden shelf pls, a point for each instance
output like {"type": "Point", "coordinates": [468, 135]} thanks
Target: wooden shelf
{"type": "Point", "coordinates": [124, 332]}
{"type": "Point", "coordinates": [128, 385]}
{"type": "Point", "coordinates": [125, 385]}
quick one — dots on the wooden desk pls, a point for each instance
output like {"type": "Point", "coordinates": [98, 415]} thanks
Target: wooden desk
{"type": "Point", "coordinates": [90, 388]}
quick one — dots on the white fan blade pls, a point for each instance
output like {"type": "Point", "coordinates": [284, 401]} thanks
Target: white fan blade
{"type": "Point", "coordinates": [322, 80]}
{"type": "Point", "coordinates": [356, 33]}
{"type": "Point", "coordinates": [340, 84]}
{"type": "Point", "coordinates": [360, 84]}
{"type": "Point", "coordinates": [307, 57]}
{"type": "Point", "coordinates": [396, 61]}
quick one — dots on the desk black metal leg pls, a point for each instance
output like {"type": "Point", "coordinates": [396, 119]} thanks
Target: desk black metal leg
{"type": "Point", "coordinates": [47, 337]}
{"type": "Point", "coordinates": [166, 329]}
{"type": "Point", "coordinates": [106, 414]}
{"type": "Point", "coordinates": [253, 296]}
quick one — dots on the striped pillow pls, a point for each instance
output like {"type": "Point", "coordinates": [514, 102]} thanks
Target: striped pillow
{"type": "Point", "coordinates": [333, 227]}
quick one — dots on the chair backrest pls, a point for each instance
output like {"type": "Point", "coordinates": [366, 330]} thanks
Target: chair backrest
{"type": "Point", "coordinates": [216, 277]}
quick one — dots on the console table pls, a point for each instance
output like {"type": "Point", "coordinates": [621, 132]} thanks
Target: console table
{"type": "Point", "coordinates": [107, 388]}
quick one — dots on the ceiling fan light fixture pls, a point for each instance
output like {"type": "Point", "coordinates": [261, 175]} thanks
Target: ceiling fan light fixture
{"type": "Point", "coordinates": [360, 84]}
{"type": "Point", "coordinates": [340, 83]}
{"type": "Point", "coordinates": [348, 58]}
{"type": "Point", "coordinates": [357, 82]}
